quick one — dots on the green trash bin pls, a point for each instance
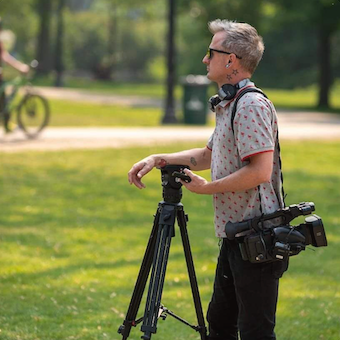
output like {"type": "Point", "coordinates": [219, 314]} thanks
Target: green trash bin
{"type": "Point", "coordinates": [195, 99]}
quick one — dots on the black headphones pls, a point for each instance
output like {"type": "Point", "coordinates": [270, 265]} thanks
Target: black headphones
{"type": "Point", "coordinates": [226, 92]}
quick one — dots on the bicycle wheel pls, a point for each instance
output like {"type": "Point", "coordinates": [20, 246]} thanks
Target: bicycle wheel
{"type": "Point", "coordinates": [33, 114]}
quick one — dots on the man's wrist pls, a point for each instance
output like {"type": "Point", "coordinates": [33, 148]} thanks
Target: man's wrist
{"type": "Point", "coordinates": [159, 161]}
{"type": "Point", "coordinates": [210, 188]}
{"type": "Point", "coordinates": [214, 187]}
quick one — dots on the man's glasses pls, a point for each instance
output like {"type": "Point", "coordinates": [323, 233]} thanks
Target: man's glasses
{"type": "Point", "coordinates": [211, 50]}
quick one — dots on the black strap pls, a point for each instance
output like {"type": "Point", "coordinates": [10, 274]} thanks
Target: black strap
{"type": "Point", "coordinates": [233, 113]}
{"type": "Point", "coordinates": [239, 96]}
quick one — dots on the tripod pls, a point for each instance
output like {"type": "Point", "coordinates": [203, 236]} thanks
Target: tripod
{"type": "Point", "coordinates": [156, 256]}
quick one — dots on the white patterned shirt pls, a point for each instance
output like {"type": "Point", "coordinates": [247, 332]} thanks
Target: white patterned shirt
{"type": "Point", "coordinates": [255, 130]}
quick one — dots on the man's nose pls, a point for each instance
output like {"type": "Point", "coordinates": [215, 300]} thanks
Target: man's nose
{"type": "Point", "coordinates": [205, 60]}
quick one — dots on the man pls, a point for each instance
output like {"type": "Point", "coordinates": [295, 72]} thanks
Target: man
{"type": "Point", "coordinates": [16, 64]}
{"type": "Point", "coordinates": [245, 169]}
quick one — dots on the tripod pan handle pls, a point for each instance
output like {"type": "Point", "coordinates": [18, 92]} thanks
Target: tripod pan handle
{"type": "Point", "coordinates": [182, 176]}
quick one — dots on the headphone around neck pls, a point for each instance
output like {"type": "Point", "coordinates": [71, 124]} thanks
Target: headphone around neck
{"type": "Point", "coordinates": [226, 92]}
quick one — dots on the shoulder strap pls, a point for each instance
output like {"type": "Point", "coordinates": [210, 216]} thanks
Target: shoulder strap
{"type": "Point", "coordinates": [241, 94]}
{"type": "Point", "coordinates": [233, 113]}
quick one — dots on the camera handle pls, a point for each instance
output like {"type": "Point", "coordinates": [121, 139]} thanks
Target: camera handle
{"type": "Point", "coordinates": [182, 176]}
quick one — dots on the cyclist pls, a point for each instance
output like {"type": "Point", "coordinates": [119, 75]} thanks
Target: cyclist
{"type": "Point", "coordinates": [16, 64]}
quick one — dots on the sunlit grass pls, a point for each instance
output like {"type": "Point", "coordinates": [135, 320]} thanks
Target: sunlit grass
{"type": "Point", "coordinates": [302, 98]}
{"type": "Point", "coordinates": [69, 113]}
{"type": "Point", "coordinates": [73, 233]}
{"type": "Point", "coordinates": [85, 114]}
{"type": "Point", "coordinates": [298, 97]}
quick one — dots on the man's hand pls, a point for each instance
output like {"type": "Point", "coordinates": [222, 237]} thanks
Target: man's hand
{"type": "Point", "coordinates": [198, 184]}
{"type": "Point", "coordinates": [139, 170]}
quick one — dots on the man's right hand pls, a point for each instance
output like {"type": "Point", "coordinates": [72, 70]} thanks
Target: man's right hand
{"type": "Point", "coordinates": [139, 170]}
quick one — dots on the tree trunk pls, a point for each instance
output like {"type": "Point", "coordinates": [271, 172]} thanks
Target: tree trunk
{"type": "Point", "coordinates": [325, 77]}
{"type": "Point", "coordinates": [169, 116]}
{"type": "Point", "coordinates": [43, 47]}
{"type": "Point", "coordinates": [59, 51]}
{"type": "Point", "coordinates": [112, 41]}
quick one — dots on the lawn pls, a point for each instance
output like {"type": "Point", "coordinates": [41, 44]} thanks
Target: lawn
{"type": "Point", "coordinates": [86, 114]}
{"type": "Point", "coordinates": [73, 233]}
{"type": "Point", "coordinates": [302, 98]}
{"type": "Point", "coordinates": [297, 98]}
{"type": "Point", "coordinates": [76, 114]}
{"type": "Point", "coordinates": [69, 113]}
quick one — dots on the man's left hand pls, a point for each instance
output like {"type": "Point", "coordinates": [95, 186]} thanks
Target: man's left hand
{"type": "Point", "coordinates": [198, 184]}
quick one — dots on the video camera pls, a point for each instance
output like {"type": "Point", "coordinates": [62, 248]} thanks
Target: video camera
{"type": "Point", "coordinates": [270, 237]}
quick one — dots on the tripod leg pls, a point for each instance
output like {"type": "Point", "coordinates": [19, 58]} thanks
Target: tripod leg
{"type": "Point", "coordinates": [182, 223]}
{"type": "Point", "coordinates": [161, 255]}
{"type": "Point", "coordinates": [140, 283]}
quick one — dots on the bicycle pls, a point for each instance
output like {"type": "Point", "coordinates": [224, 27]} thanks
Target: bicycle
{"type": "Point", "coordinates": [33, 111]}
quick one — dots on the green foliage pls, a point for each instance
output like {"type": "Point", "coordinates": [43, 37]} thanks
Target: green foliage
{"type": "Point", "coordinates": [128, 39]}
{"type": "Point", "coordinates": [19, 17]}
{"type": "Point", "coordinates": [139, 48]}
{"type": "Point", "coordinates": [290, 64]}
{"type": "Point", "coordinates": [85, 40]}
{"type": "Point", "coordinates": [323, 13]}
{"type": "Point", "coordinates": [157, 69]}
{"type": "Point", "coordinates": [113, 37]}
{"type": "Point", "coordinates": [190, 53]}
{"type": "Point", "coordinates": [295, 34]}
{"type": "Point", "coordinates": [243, 11]}
{"type": "Point", "coordinates": [73, 234]}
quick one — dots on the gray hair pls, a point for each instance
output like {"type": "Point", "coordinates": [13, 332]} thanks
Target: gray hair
{"type": "Point", "coordinates": [241, 39]}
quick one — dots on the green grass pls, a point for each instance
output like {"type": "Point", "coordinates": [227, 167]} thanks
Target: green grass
{"type": "Point", "coordinates": [73, 233]}
{"type": "Point", "coordinates": [303, 98]}
{"type": "Point", "coordinates": [68, 113]}
{"type": "Point", "coordinates": [298, 98]}
{"type": "Point", "coordinates": [85, 114]}
{"type": "Point", "coordinates": [156, 90]}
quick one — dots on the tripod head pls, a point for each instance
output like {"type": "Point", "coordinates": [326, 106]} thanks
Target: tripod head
{"type": "Point", "coordinates": [172, 188]}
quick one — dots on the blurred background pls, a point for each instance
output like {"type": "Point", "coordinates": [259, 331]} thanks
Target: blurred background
{"type": "Point", "coordinates": [103, 43]}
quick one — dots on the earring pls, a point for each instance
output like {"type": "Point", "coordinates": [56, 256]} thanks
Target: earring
{"type": "Point", "coordinates": [227, 66]}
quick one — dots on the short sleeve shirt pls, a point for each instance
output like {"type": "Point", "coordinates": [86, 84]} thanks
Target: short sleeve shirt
{"type": "Point", "coordinates": [255, 131]}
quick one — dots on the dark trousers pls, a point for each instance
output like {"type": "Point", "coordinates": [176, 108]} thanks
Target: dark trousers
{"type": "Point", "coordinates": [244, 298]}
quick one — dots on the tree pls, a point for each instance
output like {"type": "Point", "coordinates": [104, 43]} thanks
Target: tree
{"type": "Point", "coordinates": [112, 37]}
{"type": "Point", "coordinates": [43, 55]}
{"type": "Point", "coordinates": [322, 15]}
{"type": "Point", "coordinates": [59, 64]}
{"type": "Point", "coordinates": [169, 116]}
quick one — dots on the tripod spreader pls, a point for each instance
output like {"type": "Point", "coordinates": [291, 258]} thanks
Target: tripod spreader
{"type": "Point", "coordinates": [165, 312]}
